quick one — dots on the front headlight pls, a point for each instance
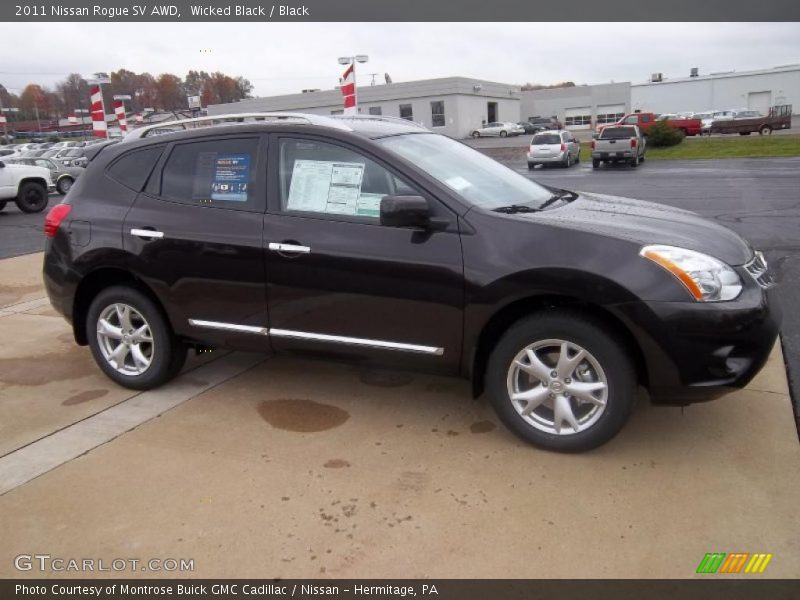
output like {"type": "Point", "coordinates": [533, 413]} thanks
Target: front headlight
{"type": "Point", "coordinates": [706, 278]}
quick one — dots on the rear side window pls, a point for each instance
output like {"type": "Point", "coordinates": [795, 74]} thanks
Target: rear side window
{"type": "Point", "coordinates": [618, 133]}
{"type": "Point", "coordinates": [219, 173]}
{"type": "Point", "coordinates": [133, 168]}
{"type": "Point", "coordinates": [541, 139]}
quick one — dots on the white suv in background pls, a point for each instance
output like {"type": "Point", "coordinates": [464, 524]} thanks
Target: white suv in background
{"type": "Point", "coordinates": [27, 186]}
{"type": "Point", "coordinates": [554, 147]}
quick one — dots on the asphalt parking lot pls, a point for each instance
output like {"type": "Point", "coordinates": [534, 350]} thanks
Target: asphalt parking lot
{"type": "Point", "coordinates": [253, 466]}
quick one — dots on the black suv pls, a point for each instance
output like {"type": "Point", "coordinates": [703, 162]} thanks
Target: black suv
{"type": "Point", "coordinates": [380, 242]}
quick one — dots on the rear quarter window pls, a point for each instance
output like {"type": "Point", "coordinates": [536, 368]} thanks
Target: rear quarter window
{"type": "Point", "coordinates": [133, 169]}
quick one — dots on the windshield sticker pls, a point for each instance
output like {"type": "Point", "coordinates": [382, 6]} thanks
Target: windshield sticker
{"type": "Point", "coordinates": [326, 186]}
{"type": "Point", "coordinates": [458, 183]}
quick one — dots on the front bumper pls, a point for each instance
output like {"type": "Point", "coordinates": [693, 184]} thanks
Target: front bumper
{"type": "Point", "coordinates": [697, 351]}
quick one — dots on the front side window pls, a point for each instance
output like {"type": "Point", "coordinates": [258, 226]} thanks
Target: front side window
{"type": "Point", "coordinates": [478, 179]}
{"type": "Point", "coordinates": [317, 177]}
{"type": "Point", "coordinates": [219, 173]}
{"type": "Point", "coordinates": [437, 113]}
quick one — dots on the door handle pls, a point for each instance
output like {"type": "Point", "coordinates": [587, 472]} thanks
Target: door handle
{"type": "Point", "coordinates": [288, 248]}
{"type": "Point", "coordinates": [147, 233]}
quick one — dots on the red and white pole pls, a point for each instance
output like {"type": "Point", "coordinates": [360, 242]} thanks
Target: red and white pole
{"type": "Point", "coordinates": [349, 90]}
{"type": "Point", "coordinates": [98, 110]}
{"type": "Point", "coordinates": [119, 110]}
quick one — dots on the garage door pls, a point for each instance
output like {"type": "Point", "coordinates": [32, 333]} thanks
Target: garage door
{"type": "Point", "coordinates": [609, 113]}
{"type": "Point", "coordinates": [578, 118]}
{"type": "Point", "coordinates": [759, 101]}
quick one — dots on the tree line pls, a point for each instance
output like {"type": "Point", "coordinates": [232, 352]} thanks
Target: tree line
{"type": "Point", "coordinates": [163, 92]}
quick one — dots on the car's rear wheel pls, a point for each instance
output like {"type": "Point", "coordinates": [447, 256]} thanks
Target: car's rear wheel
{"type": "Point", "coordinates": [503, 133]}
{"type": "Point", "coordinates": [131, 340]}
{"type": "Point", "coordinates": [64, 184]}
{"type": "Point", "coordinates": [567, 161]}
{"type": "Point", "coordinates": [766, 130]}
{"type": "Point", "coordinates": [32, 197]}
{"type": "Point", "coordinates": [476, 134]}
{"type": "Point", "coordinates": [635, 161]}
{"type": "Point", "coordinates": [2, 204]}
{"type": "Point", "coordinates": [595, 164]}
{"type": "Point", "coordinates": [562, 381]}
{"type": "Point", "coordinates": [531, 166]}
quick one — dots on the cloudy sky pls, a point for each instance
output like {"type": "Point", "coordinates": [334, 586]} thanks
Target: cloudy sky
{"type": "Point", "coordinates": [283, 58]}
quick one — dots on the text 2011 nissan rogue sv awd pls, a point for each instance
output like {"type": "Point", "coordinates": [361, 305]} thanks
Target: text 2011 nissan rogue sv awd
{"type": "Point", "coordinates": [376, 241]}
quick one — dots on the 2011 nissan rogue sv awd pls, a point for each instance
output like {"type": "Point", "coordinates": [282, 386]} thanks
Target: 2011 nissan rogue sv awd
{"type": "Point", "coordinates": [376, 241]}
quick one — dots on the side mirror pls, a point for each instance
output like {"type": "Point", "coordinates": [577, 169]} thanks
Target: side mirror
{"type": "Point", "coordinates": [405, 211]}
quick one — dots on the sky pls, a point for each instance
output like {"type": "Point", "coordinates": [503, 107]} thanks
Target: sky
{"type": "Point", "coordinates": [283, 58]}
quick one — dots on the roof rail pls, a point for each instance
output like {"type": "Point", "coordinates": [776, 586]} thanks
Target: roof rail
{"type": "Point", "coordinates": [212, 120]}
{"type": "Point", "coordinates": [385, 118]}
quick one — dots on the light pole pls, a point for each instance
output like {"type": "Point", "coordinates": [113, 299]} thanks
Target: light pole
{"type": "Point", "coordinates": [352, 60]}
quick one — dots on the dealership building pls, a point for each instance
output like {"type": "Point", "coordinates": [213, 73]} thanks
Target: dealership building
{"type": "Point", "coordinates": [455, 106]}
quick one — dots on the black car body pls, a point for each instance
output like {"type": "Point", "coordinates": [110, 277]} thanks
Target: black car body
{"type": "Point", "coordinates": [436, 282]}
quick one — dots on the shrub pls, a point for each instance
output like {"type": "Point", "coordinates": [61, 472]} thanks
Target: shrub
{"type": "Point", "coordinates": [662, 134]}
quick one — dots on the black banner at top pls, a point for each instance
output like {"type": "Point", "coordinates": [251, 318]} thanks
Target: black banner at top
{"type": "Point", "coordinates": [399, 11]}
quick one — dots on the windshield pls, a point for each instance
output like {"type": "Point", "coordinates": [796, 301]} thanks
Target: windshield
{"type": "Point", "coordinates": [478, 179]}
{"type": "Point", "coordinates": [546, 138]}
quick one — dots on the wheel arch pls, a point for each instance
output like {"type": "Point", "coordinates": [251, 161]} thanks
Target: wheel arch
{"type": "Point", "coordinates": [94, 283]}
{"type": "Point", "coordinates": [505, 317]}
{"type": "Point", "coordinates": [40, 180]}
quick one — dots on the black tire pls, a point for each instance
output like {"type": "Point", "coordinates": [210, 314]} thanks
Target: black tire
{"type": "Point", "coordinates": [168, 353]}
{"type": "Point", "coordinates": [567, 161]}
{"type": "Point", "coordinates": [592, 335]}
{"type": "Point", "coordinates": [595, 163]}
{"type": "Point", "coordinates": [578, 158]}
{"type": "Point", "coordinates": [476, 134]}
{"type": "Point", "coordinates": [3, 204]}
{"type": "Point", "coordinates": [503, 134]}
{"type": "Point", "coordinates": [635, 161]}
{"type": "Point", "coordinates": [642, 158]}
{"type": "Point", "coordinates": [766, 130]}
{"type": "Point", "coordinates": [531, 166]}
{"type": "Point", "coordinates": [32, 197]}
{"type": "Point", "coordinates": [64, 184]}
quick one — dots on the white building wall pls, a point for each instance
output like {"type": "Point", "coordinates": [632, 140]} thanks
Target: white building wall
{"type": "Point", "coordinates": [718, 92]}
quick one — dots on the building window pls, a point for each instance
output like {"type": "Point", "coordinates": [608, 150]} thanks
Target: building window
{"type": "Point", "coordinates": [406, 112]}
{"type": "Point", "coordinates": [609, 117]}
{"type": "Point", "coordinates": [375, 110]}
{"type": "Point", "coordinates": [437, 113]}
{"type": "Point", "coordinates": [578, 120]}
{"type": "Point", "coordinates": [337, 112]}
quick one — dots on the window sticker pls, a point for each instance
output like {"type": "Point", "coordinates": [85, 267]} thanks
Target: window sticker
{"type": "Point", "coordinates": [231, 177]}
{"type": "Point", "coordinates": [369, 205]}
{"type": "Point", "coordinates": [327, 186]}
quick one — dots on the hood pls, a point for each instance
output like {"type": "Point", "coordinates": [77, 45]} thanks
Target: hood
{"type": "Point", "coordinates": [646, 223]}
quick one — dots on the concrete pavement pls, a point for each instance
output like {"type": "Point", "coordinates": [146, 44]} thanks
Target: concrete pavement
{"type": "Point", "coordinates": [293, 468]}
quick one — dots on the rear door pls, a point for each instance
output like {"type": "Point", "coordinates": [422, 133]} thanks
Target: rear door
{"type": "Point", "coordinates": [194, 236]}
{"type": "Point", "coordinates": [340, 283]}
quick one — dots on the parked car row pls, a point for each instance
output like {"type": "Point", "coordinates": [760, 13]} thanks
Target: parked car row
{"type": "Point", "coordinates": [498, 129]}
{"type": "Point", "coordinates": [744, 121]}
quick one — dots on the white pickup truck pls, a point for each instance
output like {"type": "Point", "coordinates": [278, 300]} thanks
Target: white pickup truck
{"type": "Point", "coordinates": [27, 186]}
{"type": "Point", "coordinates": [619, 143]}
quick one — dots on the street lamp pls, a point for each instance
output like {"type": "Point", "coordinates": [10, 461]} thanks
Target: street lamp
{"type": "Point", "coordinates": [352, 60]}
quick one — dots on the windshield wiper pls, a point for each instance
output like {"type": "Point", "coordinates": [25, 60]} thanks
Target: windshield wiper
{"type": "Point", "coordinates": [515, 208]}
{"type": "Point", "coordinates": [559, 195]}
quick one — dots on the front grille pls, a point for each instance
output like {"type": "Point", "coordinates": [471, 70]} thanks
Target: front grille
{"type": "Point", "coordinates": [759, 270]}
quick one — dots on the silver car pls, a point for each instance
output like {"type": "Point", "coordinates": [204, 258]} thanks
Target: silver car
{"type": "Point", "coordinates": [498, 129]}
{"type": "Point", "coordinates": [62, 176]}
{"type": "Point", "coordinates": [554, 147]}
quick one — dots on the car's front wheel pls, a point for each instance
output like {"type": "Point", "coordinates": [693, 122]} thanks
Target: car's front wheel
{"type": "Point", "coordinates": [32, 197]}
{"type": "Point", "coordinates": [131, 340]}
{"type": "Point", "coordinates": [561, 381]}
{"type": "Point", "coordinates": [476, 134]}
{"type": "Point", "coordinates": [64, 184]}
{"type": "Point", "coordinates": [503, 134]}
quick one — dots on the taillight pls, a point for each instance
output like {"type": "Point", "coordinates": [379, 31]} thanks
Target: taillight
{"type": "Point", "coordinates": [592, 144]}
{"type": "Point", "coordinates": [563, 146]}
{"type": "Point", "coordinates": [633, 143]}
{"type": "Point", "coordinates": [54, 218]}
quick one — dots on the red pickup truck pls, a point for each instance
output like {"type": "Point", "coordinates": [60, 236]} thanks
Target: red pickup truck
{"type": "Point", "coordinates": [645, 121]}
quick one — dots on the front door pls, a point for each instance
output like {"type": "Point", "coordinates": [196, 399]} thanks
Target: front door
{"type": "Point", "coordinates": [340, 283]}
{"type": "Point", "coordinates": [194, 236]}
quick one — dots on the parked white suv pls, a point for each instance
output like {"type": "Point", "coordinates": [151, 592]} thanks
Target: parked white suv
{"type": "Point", "coordinates": [27, 186]}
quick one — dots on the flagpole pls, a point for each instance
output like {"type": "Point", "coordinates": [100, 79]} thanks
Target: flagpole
{"type": "Point", "coordinates": [352, 60]}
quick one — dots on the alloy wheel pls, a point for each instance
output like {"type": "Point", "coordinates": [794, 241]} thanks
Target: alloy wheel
{"type": "Point", "coordinates": [125, 339]}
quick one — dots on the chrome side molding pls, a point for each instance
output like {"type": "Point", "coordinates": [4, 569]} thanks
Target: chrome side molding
{"type": "Point", "coordinates": [319, 337]}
